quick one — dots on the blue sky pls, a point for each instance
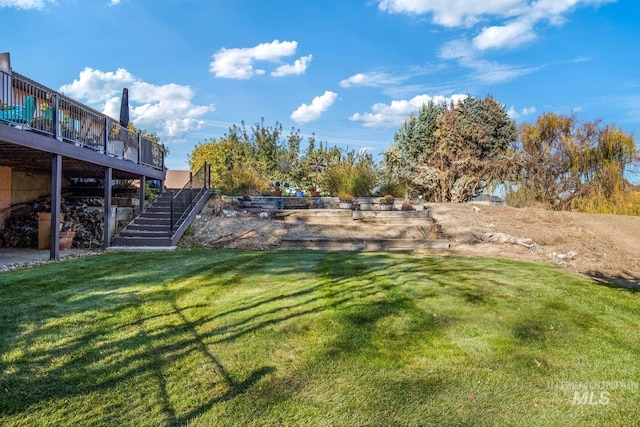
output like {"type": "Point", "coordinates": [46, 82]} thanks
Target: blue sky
{"type": "Point", "coordinates": [349, 71]}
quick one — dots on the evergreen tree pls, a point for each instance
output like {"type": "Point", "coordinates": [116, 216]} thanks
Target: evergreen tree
{"type": "Point", "coordinates": [448, 153]}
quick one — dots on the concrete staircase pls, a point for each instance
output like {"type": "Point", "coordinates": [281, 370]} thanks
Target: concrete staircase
{"type": "Point", "coordinates": [367, 230]}
{"type": "Point", "coordinates": [152, 228]}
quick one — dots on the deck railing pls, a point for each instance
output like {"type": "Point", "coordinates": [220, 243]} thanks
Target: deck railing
{"type": "Point", "coordinates": [30, 106]}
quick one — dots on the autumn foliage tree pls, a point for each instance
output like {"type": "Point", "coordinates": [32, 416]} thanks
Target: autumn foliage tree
{"type": "Point", "coordinates": [564, 163]}
{"type": "Point", "coordinates": [249, 160]}
{"type": "Point", "coordinates": [544, 165]}
{"type": "Point", "coordinates": [448, 153]}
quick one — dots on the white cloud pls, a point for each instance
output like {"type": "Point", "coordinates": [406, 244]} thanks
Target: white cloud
{"type": "Point", "coordinates": [374, 79]}
{"type": "Point", "coordinates": [307, 113]}
{"type": "Point", "coordinates": [355, 80]}
{"type": "Point", "coordinates": [165, 109]}
{"type": "Point", "coordinates": [95, 86]}
{"type": "Point", "coordinates": [394, 114]}
{"type": "Point", "coordinates": [238, 63]}
{"type": "Point", "coordinates": [457, 49]}
{"type": "Point", "coordinates": [490, 72]}
{"type": "Point", "coordinates": [512, 113]}
{"type": "Point", "coordinates": [25, 4]}
{"type": "Point", "coordinates": [486, 72]}
{"type": "Point", "coordinates": [517, 18]}
{"type": "Point", "coordinates": [298, 67]}
{"type": "Point", "coordinates": [453, 13]}
{"type": "Point", "coordinates": [509, 35]}
{"type": "Point", "coordinates": [114, 2]}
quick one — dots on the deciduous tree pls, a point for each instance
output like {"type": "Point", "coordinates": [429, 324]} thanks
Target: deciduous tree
{"type": "Point", "coordinates": [448, 153]}
{"type": "Point", "coordinates": [565, 163]}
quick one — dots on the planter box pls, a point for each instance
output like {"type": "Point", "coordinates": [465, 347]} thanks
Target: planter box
{"type": "Point", "coordinates": [44, 229]}
{"type": "Point", "coordinates": [364, 203]}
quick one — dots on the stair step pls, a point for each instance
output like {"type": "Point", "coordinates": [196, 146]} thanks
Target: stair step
{"type": "Point", "coordinates": [348, 217]}
{"type": "Point", "coordinates": [141, 241]}
{"type": "Point", "coordinates": [153, 221]}
{"type": "Point", "coordinates": [145, 233]}
{"type": "Point", "coordinates": [356, 244]}
{"type": "Point", "coordinates": [160, 215]}
{"type": "Point", "coordinates": [147, 227]}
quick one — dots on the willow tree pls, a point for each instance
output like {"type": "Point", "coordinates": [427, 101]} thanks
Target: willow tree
{"type": "Point", "coordinates": [564, 163]}
{"type": "Point", "coordinates": [544, 164]}
{"type": "Point", "coordinates": [449, 153]}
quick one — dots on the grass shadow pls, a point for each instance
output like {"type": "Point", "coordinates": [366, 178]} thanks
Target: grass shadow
{"type": "Point", "coordinates": [187, 334]}
{"type": "Point", "coordinates": [95, 354]}
{"type": "Point", "coordinates": [624, 281]}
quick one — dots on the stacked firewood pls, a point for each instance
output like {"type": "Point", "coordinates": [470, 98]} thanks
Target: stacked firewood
{"type": "Point", "coordinates": [84, 216]}
{"type": "Point", "coordinates": [20, 231]}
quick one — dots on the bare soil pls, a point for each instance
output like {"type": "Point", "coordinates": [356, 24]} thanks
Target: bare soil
{"type": "Point", "coordinates": [600, 246]}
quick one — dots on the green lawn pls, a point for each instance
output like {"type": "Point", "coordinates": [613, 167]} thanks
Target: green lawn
{"type": "Point", "coordinates": [207, 337]}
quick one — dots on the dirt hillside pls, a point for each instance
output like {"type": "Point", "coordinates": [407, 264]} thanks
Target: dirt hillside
{"type": "Point", "coordinates": [602, 246]}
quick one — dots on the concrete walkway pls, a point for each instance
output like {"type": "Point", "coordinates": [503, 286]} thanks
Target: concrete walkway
{"type": "Point", "coordinates": [24, 257]}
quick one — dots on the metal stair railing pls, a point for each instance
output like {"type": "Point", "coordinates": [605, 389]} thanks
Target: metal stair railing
{"type": "Point", "coordinates": [184, 199]}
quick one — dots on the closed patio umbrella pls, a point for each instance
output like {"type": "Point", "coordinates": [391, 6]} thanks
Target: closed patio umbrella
{"type": "Point", "coordinates": [124, 108]}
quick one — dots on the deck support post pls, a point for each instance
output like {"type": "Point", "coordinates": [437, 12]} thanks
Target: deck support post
{"type": "Point", "coordinates": [143, 184]}
{"type": "Point", "coordinates": [108, 173]}
{"type": "Point", "coordinates": [56, 196]}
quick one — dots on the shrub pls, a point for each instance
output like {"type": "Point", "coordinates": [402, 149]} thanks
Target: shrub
{"type": "Point", "coordinates": [245, 180]}
{"type": "Point", "coordinates": [345, 197]}
{"type": "Point", "coordinates": [354, 174]}
{"type": "Point", "coordinates": [395, 188]}
{"type": "Point", "coordinates": [388, 199]}
{"type": "Point", "coordinates": [623, 202]}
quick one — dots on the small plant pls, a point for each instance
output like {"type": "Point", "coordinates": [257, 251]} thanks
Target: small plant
{"type": "Point", "coordinates": [151, 193]}
{"type": "Point", "coordinates": [313, 190]}
{"type": "Point", "coordinates": [388, 199]}
{"type": "Point", "coordinates": [68, 226]}
{"type": "Point", "coordinates": [345, 197]}
{"type": "Point", "coordinates": [222, 190]}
